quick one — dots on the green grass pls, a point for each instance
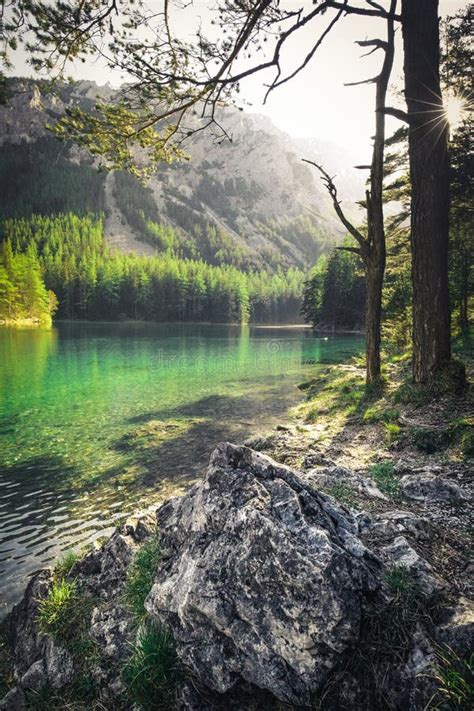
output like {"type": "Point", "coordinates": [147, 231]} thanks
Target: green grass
{"type": "Point", "coordinates": [455, 678]}
{"type": "Point", "coordinates": [401, 583]}
{"type": "Point", "coordinates": [380, 413]}
{"type": "Point", "coordinates": [152, 673]}
{"type": "Point", "coordinates": [342, 493]}
{"type": "Point", "coordinates": [383, 475]}
{"type": "Point", "coordinates": [392, 431]}
{"type": "Point", "coordinates": [64, 565]}
{"type": "Point", "coordinates": [57, 612]}
{"type": "Point", "coordinates": [140, 577]}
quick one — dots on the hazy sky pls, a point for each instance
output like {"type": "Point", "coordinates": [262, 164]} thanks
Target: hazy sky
{"type": "Point", "coordinates": [315, 103]}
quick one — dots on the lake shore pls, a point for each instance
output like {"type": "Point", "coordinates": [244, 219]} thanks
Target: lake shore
{"type": "Point", "coordinates": [395, 468]}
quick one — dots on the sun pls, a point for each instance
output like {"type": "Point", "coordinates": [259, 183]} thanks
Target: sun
{"type": "Point", "coordinates": [455, 108]}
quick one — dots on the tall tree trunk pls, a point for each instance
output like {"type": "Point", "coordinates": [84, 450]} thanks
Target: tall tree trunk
{"type": "Point", "coordinates": [374, 269]}
{"type": "Point", "coordinates": [429, 173]}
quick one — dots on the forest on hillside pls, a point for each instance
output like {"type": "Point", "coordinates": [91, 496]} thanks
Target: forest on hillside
{"type": "Point", "coordinates": [76, 274]}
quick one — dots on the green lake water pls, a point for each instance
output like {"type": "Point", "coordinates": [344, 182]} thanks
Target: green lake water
{"type": "Point", "coordinates": [100, 419]}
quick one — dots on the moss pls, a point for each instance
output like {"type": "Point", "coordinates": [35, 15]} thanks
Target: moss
{"type": "Point", "coordinates": [140, 577]}
{"type": "Point", "coordinates": [152, 673]}
{"type": "Point", "coordinates": [383, 475]}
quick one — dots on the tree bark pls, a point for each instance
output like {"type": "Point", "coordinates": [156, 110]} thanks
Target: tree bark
{"type": "Point", "coordinates": [429, 173]}
{"type": "Point", "coordinates": [374, 269]}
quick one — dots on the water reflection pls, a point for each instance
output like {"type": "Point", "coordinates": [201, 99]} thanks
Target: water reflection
{"type": "Point", "coordinates": [73, 395]}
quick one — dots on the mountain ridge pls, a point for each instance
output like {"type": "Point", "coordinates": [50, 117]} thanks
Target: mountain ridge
{"type": "Point", "coordinates": [250, 199]}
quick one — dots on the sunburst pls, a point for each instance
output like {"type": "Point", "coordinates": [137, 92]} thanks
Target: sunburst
{"type": "Point", "coordinates": [456, 109]}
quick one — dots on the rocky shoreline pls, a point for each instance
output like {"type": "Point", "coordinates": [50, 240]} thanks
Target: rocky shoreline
{"type": "Point", "coordinates": [333, 574]}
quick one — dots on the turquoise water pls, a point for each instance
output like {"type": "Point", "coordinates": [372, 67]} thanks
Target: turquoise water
{"type": "Point", "coordinates": [99, 419]}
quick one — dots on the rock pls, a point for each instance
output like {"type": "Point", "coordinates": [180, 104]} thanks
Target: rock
{"type": "Point", "coordinates": [317, 459]}
{"type": "Point", "coordinates": [261, 442]}
{"type": "Point", "coordinates": [400, 553]}
{"type": "Point", "coordinates": [14, 700]}
{"type": "Point", "coordinates": [111, 629]}
{"type": "Point", "coordinates": [26, 642]}
{"type": "Point", "coordinates": [332, 476]}
{"type": "Point", "coordinates": [428, 487]}
{"type": "Point", "coordinates": [262, 579]}
{"type": "Point", "coordinates": [140, 526]}
{"type": "Point", "coordinates": [35, 677]}
{"type": "Point", "coordinates": [457, 632]}
{"type": "Point", "coordinates": [59, 665]}
{"type": "Point", "coordinates": [393, 523]}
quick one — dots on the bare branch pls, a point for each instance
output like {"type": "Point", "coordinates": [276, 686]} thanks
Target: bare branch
{"type": "Point", "coordinates": [354, 250]}
{"type": "Point", "coordinates": [332, 190]}
{"type": "Point", "coordinates": [397, 113]}
{"type": "Point", "coordinates": [373, 80]}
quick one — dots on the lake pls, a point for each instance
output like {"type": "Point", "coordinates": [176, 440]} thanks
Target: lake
{"type": "Point", "coordinates": [100, 419]}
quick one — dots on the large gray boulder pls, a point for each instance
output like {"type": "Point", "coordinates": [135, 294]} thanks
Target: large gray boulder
{"type": "Point", "coordinates": [262, 579]}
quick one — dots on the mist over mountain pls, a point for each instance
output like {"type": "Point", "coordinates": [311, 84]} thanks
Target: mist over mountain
{"type": "Point", "coordinates": [249, 201]}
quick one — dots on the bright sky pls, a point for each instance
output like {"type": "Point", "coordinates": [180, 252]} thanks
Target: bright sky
{"type": "Point", "coordinates": [315, 103]}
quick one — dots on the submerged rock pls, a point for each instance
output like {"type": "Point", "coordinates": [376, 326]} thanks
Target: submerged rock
{"type": "Point", "coordinates": [262, 578]}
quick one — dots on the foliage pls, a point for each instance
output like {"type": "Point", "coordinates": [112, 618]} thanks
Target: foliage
{"type": "Point", "coordinates": [152, 672]}
{"type": "Point", "coordinates": [334, 296]}
{"type": "Point", "coordinates": [23, 294]}
{"type": "Point", "coordinates": [383, 475]}
{"type": "Point", "coordinates": [392, 431]}
{"type": "Point", "coordinates": [38, 178]}
{"type": "Point", "coordinates": [92, 282]}
{"type": "Point", "coordinates": [140, 577]}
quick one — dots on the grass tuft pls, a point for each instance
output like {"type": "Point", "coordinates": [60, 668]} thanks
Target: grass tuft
{"type": "Point", "coordinates": [152, 673]}
{"type": "Point", "coordinates": [64, 565]}
{"type": "Point", "coordinates": [455, 678]}
{"type": "Point", "coordinates": [383, 475]}
{"type": "Point", "coordinates": [141, 576]}
{"type": "Point", "coordinates": [342, 493]}
{"type": "Point", "coordinates": [58, 611]}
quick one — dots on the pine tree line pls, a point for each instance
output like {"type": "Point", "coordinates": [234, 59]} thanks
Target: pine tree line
{"type": "Point", "coordinates": [92, 282]}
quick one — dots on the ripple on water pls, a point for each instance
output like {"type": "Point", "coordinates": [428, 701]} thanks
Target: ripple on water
{"type": "Point", "coordinates": [71, 394]}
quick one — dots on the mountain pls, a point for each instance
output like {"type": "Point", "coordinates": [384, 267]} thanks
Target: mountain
{"type": "Point", "coordinates": [249, 201]}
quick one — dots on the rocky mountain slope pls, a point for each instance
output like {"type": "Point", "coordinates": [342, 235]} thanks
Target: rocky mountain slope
{"type": "Point", "coordinates": [253, 191]}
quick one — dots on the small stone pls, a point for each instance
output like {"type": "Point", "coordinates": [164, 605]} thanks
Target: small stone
{"type": "Point", "coordinates": [393, 523]}
{"type": "Point", "coordinates": [400, 553]}
{"type": "Point", "coordinates": [457, 632]}
{"type": "Point", "coordinates": [35, 676]}
{"type": "Point", "coordinates": [332, 476]}
{"type": "Point", "coordinates": [428, 487]}
{"type": "Point", "coordinates": [14, 700]}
